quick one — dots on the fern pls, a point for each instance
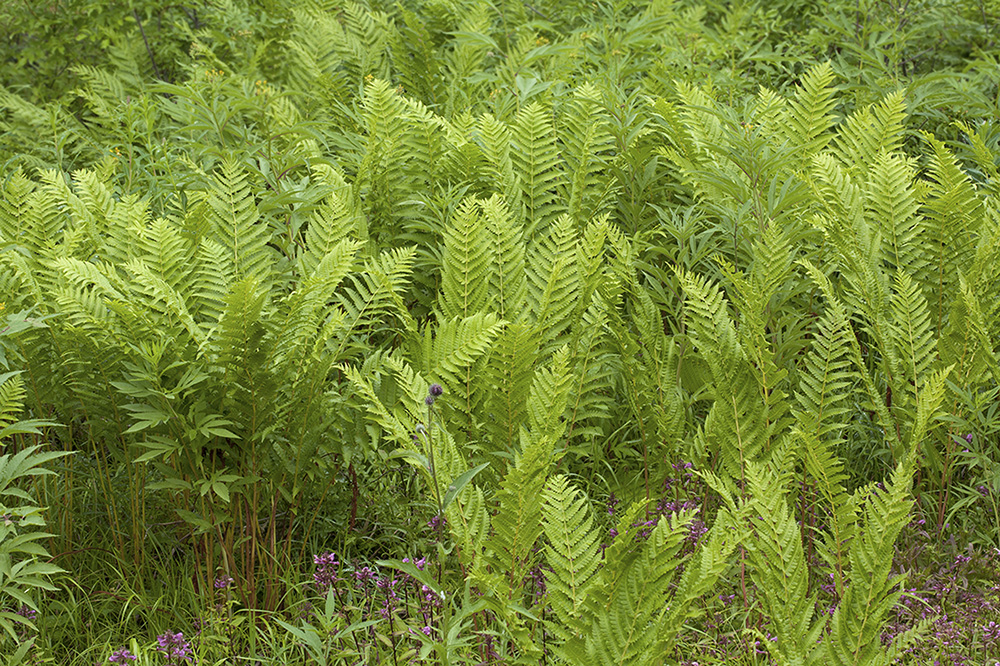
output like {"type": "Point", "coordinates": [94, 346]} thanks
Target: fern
{"type": "Point", "coordinates": [507, 282]}
{"type": "Point", "coordinates": [778, 565]}
{"type": "Point", "coordinates": [573, 553]}
{"type": "Point", "coordinates": [625, 631]}
{"type": "Point", "coordinates": [809, 119]}
{"type": "Point", "coordinates": [553, 280]}
{"type": "Point", "coordinates": [912, 333]}
{"type": "Point", "coordinates": [891, 204]}
{"type": "Point", "coordinates": [826, 375]}
{"type": "Point", "coordinates": [236, 227]}
{"type": "Point", "coordinates": [467, 266]}
{"type": "Point", "coordinates": [871, 131]}
{"type": "Point", "coordinates": [856, 625]}
{"type": "Point", "coordinates": [736, 426]}
{"type": "Point", "coordinates": [537, 165]}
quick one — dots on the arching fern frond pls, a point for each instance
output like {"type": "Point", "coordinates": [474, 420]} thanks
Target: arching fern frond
{"type": "Point", "coordinates": [870, 131]}
{"type": "Point", "coordinates": [808, 120]}
{"type": "Point", "coordinates": [538, 166]}
{"type": "Point", "coordinates": [466, 265]}
{"type": "Point", "coordinates": [574, 555]}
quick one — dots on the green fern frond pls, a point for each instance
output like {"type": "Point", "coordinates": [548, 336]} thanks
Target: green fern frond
{"type": "Point", "coordinates": [159, 295]}
{"type": "Point", "coordinates": [594, 368]}
{"type": "Point", "coordinates": [574, 555]}
{"type": "Point", "coordinates": [449, 354]}
{"type": "Point", "coordinates": [627, 628]}
{"type": "Point", "coordinates": [553, 279]}
{"type": "Point", "coordinates": [416, 61]}
{"type": "Point", "coordinates": [368, 299]}
{"type": "Point", "coordinates": [537, 166]}
{"type": "Point", "coordinates": [240, 345]}
{"type": "Point", "coordinates": [737, 424]}
{"type": "Point", "coordinates": [508, 289]}
{"type": "Point", "coordinates": [212, 279]}
{"type": "Point", "coordinates": [891, 204]}
{"type": "Point", "coordinates": [809, 119]}
{"type": "Point", "coordinates": [857, 623]}
{"type": "Point", "coordinates": [331, 224]}
{"type": "Point", "coordinates": [508, 376]}
{"type": "Point", "coordinates": [495, 139]}
{"type": "Point", "coordinates": [236, 225]}
{"type": "Point", "coordinates": [826, 375]}
{"type": "Point", "coordinates": [305, 308]}
{"type": "Point", "coordinates": [954, 213]}
{"type": "Point", "coordinates": [466, 264]}
{"type": "Point", "coordinates": [588, 144]}
{"type": "Point", "coordinates": [12, 395]}
{"type": "Point", "coordinates": [912, 333]}
{"type": "Point", "coordinates": [873, 130]}
{"type": "Point", "coordinates": [548, 398]}
{"type": "Point", "coordinates": [827, 470]}
{"type": "Point", "coordinates": [517, 524]}
{"type": "Point", "coordinates": [778, 564]}
{"type": "Point", "coordinates": [15, 202]}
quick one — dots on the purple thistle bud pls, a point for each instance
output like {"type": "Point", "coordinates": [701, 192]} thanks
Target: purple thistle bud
{"type": "Point", "coordinates": [429, 400]}
{"type": "Point", "coordinates": [436, 390]}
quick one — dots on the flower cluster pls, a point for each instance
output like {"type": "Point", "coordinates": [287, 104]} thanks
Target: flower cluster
{"type": "Point", "coordinates": [174, 648]}
{"type": "Point", "coordinates": [327, 571]}
{"type": "Point", "coordinates": [122, 656]}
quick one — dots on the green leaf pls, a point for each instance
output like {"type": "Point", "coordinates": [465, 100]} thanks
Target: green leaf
{"type": "Point", "coordinates": [459, 483]}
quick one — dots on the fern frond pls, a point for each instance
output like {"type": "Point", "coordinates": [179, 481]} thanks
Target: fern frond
{"type": "Point", "coordinates": [856, 625]}
{"type": "Point", "coordinates": [495, 139]}
{"type": "Point", "coordinates": [778, 564]}
{"type": "Point", "coordinates": [891, 205]}
{"type": "Point", "coordinates": [369, 298]}
{"type": "Point", "coordinates": [517, 524]}
{"type": "Point", "coordinates": [736, 426]}
{"type": "Point", "coordinates": [873, 130]}
{"type": "Point", "coordinates": [538, 167]}
{"type": "Point", "coordinates": [574, 555]}
{"type": "Point", "coordinates": [331, 224]}
{"type": "Point", "coordinates": [588, 145]}
{"type": "Point", "coordinates": [237, 226]}
{"type": "Point", "coordinates": [954, 214]}
{"type": "Point", "coordinates": [809, 119]}
{"type": "Point", "coordinates": [912, 333]}
{"type": "Point", "coordinates": [466, 265]}
{"type": "Point", "coordinates": [12, 395]}
{"type": "Point", "coordinates": [449, 352]}
{"type": "Point", "coordinates": [626, 630]}
{"type": "Point", "coordinates": [549, 395]}
{"type": "Point", "coordinates": [508, 289]}
{"type": "Point", "coordinates": [553, 279]}
{"type": "Point", "coordinates": [508, 375]}
{"type": "Point", "coordinates": [825, 375]}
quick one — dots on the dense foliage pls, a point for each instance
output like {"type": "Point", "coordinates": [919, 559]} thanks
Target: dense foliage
{"type": "Point", "coordinates": [464, 333]}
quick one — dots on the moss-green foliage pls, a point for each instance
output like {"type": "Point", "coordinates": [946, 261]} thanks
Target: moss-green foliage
{"type": "Point", "coordinates": [761, 238]}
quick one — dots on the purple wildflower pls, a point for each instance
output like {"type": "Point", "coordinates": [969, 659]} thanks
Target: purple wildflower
{"type": "Point", "coordinates": [326, 575]}
{"type": "Point", "coordinates": [174, 647]}
{"type": "Point", "coordinates": [122, 656]}
{"type": "Point", "coordinates": [436, 390]}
